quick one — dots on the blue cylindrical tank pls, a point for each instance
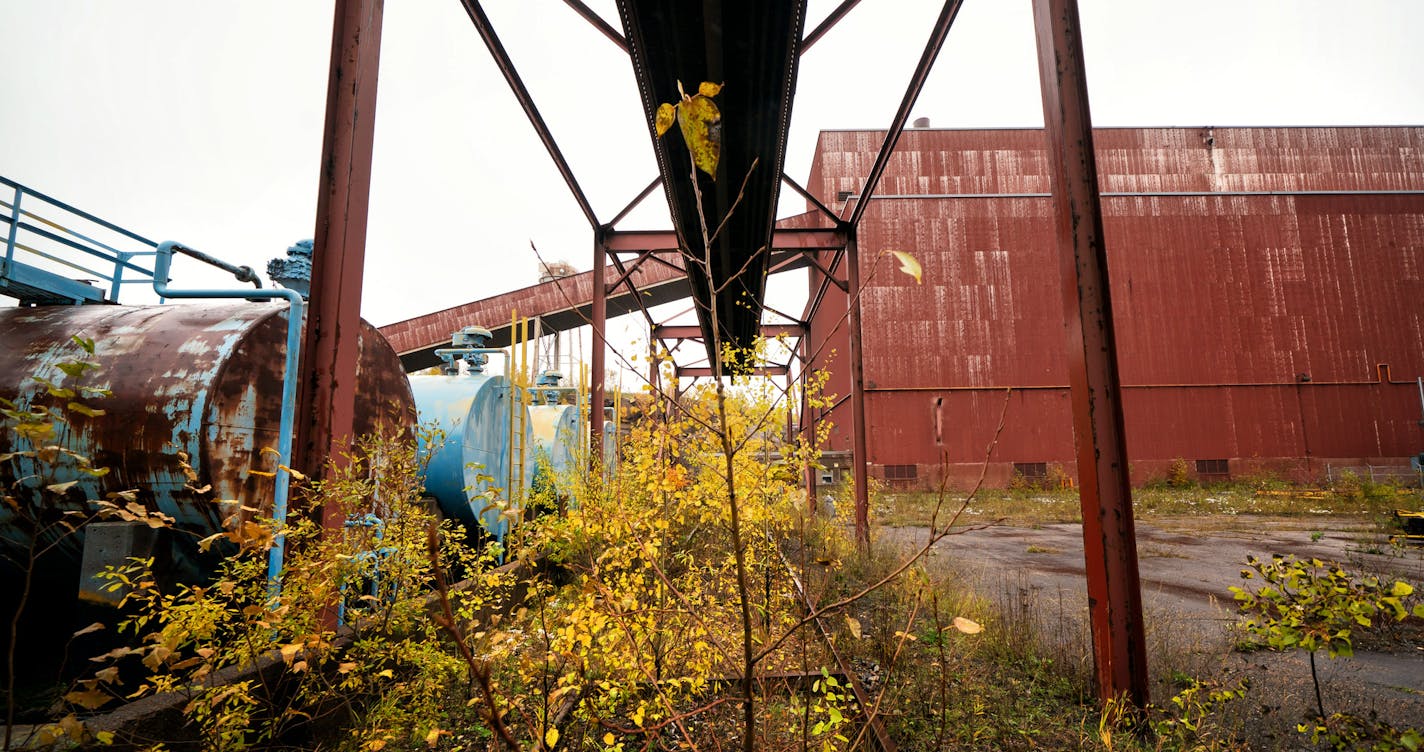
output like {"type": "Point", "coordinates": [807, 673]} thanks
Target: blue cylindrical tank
{"type": "Point", "coordinates": [553, 444]}
{"type": "Point", "coordinates": [610, 448]}
{"type": "Point", "coordinates": [467, 470]}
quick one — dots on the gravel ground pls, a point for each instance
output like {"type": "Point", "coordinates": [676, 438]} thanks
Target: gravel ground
{"type": "Point", "coordinates": [1186, 565]}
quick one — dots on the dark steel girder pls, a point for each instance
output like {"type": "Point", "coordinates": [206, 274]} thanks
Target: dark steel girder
{"type": "Point", "coordinates": [752, 47]}
{"type": "Point", "coordinates": [912, 93]}
{"type": "Point", "coordinates": [598, 23]}
{"type": "Point", "coordinates": [521, 93]}
{"type": "Point", "coordinates": [706, 372]}
{"type": "Point", "coordinates": [674, 331]}
{"type": "Point", "coordinates": [829, 23]}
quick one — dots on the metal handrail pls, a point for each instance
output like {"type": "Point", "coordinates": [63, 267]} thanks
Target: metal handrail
{"type": "Point", "coordinates": [60, 233]}
{"type": "Point", "coordinates": [60, 204]}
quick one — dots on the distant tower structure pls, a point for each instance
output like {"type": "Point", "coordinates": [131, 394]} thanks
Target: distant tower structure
{"type": "Point", "coordinates": [548, 272]}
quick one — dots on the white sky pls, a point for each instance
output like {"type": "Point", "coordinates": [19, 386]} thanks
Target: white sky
{"type": "Point", "coordinates": [201, 121]}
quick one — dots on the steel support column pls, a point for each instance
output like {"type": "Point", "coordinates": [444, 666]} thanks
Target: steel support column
{"type": "Point", "coordinates": [599, 322]}
{"type": "Point", "coordinates": [1110, 550]}
{"type": "Point", "coordinates": [860, 459]}
{"type": "Point", "coordinates": [331, 345]}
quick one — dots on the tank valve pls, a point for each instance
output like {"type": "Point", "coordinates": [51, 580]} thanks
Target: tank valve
{"type": "Point", "coordinates": [468, 345]}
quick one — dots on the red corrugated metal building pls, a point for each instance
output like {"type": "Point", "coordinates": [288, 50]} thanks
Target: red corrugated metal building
{"type": "Point", "coordinates": [1267, 283]}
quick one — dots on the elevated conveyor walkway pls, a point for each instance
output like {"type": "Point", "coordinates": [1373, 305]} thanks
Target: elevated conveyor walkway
{"type": "Point", "coordinates": [562, 304]}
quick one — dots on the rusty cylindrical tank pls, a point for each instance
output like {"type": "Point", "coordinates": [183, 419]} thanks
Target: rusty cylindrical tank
{"type": "Point", "coordinates": [201, 380]}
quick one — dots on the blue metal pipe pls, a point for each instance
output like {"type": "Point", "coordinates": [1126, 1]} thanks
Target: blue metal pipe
{"type": "Point", "coordinates": [287, 423]}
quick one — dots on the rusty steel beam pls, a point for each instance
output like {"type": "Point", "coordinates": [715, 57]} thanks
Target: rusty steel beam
{"type": "Point", "coordinates": [624, 278]}
{"type": "Point", "coordinates": [521, 92]}
{"type": "Point", "coordinates": [784, 315]}
{"type": "Point", "coordinates": [827, 277]}
{"type": "Point", "coordinates": [674, 331]}
{"type": "Point", "coordinates": [795, 186]}
{"type": "Point", "coordinates": [784, 261]}
{"type": "Point", "coordinates": [912, 93]}
{"type": "Point", "coordinates": [599, 323]}
{"type": "Point", "coordinates": [860, 460]}
{"type": "Point", "coordinates": [657, 181]}
{"type": "Point", "coordinates": [598, 23]}
{"type": "Point", "coordinates": [827, 273]}
{"type": "Point", "coordinates": [1109, 540]}
{"type": "Point", "coordinates": [826, 25]}
{"type": "Point", "coordinates": [331, 346]}
{"type": "Point", "coordinates": [625, 273]}
{"type": "Point", "coordinates": [706, 371]}
{"type": "Point", "coordinates": [808, 239]}
{"type": "Point", "coordinates": [788, 238]}
{"type": "Point", "coordinates": [637, 241]}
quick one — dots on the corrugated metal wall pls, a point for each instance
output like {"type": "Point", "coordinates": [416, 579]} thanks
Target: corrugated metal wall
{"type": "Point", "coordinates": [1250, 328]}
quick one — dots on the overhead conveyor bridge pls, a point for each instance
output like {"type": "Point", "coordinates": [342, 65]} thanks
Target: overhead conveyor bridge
{"type": "Point", "coordinates": [560, 304]}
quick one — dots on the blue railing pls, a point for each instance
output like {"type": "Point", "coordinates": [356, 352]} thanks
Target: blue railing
{"type": "Point", "coordinates": [44, 250]}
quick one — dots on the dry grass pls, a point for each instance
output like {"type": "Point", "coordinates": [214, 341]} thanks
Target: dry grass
{"type": "Point", "coordinates": [1040, 507]}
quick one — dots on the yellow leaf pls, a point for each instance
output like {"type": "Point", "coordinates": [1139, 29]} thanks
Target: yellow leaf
{"type": "Point", "coordinates": [60, 488]}
{"type": "Point", "coordinates": [433, 738]}
{"type": "Point", "coordinates": [376, 744]}
{"type": "Point", "coordinates": [701, 124]}
{"type": "Point", "coordinates": [35, 432]}
{"type": "Point", "coordinates": [709, 89]}
{"type": "Point", "coordinates": [84, 409]}
{"type": "Point", "coordinates": [206, 543]}
{"type": "Point", "coordinates": [908, 264]}
{"type": "Point", "coordinates": [388, 674]}
{"type": "Point", "coordinates": [666, 115]}
{"type": "Point", "coordinates": [967, 626]}
{"type": "Point", "coordinates": [95, 627]}
{"type": "Point", "coordinates": [853, 625]}
{"type": "Point", "coordinates": [608, 739]}
{"type": "Point", "coordinates": [551, 737]}
{"type": "Point", "coordinates": [88, 700]}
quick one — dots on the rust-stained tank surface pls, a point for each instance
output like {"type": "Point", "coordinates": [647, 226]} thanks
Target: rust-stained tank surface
{"type": "Point", "coordinates": [203, 381]}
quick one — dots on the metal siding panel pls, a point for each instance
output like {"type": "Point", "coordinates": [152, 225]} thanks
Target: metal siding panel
{"type": "Point", "coordinates": [1235, 294]}
{"type": "Point", "coordinates": [1130, 160]}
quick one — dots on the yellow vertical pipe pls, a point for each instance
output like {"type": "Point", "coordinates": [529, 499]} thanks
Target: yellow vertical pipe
{"type": "Point", "coordinates": [524, 382]}
{"type": "Point", "coordinates": [513, 379]}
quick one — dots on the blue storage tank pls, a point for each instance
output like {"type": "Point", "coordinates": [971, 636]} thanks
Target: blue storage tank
{"type": "Point", "coordinates": [555, 434]}
{"type": "Point", "coordinates": [553, 443]}
{"type": "Point", "coordinates": [468, 472]}
{"type": "Point", "coordinates": [610, 448]}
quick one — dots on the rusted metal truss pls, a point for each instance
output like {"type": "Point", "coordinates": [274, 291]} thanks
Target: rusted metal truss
{"type": "Point", "coordinates": [719, 41]}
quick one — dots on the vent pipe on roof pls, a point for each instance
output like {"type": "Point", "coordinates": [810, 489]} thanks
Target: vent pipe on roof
{"type": "Point", "coordinates": [922, 122]}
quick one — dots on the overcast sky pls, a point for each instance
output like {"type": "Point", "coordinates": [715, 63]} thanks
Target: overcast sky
{"type": "Point", "coordinates": [201, 121]}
